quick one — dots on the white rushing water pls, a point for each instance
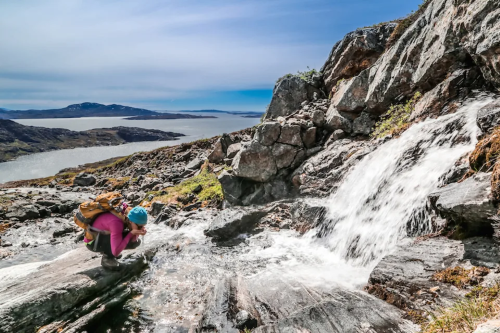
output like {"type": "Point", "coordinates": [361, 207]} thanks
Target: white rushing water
{"type": "Point", "coordinates": [367, 216]}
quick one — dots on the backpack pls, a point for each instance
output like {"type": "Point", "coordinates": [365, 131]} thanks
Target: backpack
{"type": "Point", "coordinates": [88, 211]}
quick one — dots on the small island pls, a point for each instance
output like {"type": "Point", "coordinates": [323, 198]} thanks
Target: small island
{"type": "Point", "coordinates": [17, 140]}
{"type": "Point", "coordinates": [167, 116]}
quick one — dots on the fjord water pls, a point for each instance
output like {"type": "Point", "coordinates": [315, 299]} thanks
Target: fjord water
{"type": "Point", "coordinates": [382, 197]}
{"type": "Point", "coordinates": [49, 163]}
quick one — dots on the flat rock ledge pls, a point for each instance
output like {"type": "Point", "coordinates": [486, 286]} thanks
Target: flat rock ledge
{"type": "Point", "coordinates": [66, 294]}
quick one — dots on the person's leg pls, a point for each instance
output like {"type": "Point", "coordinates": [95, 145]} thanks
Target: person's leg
{"type": "Point", "coordinates": [108, 260]}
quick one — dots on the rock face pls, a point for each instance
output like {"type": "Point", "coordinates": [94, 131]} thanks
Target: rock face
{"type": "Point", "coordinates": [255, 162]}
{"type": "Point", "coordinates": [89, 291]}
{"type": "Point", "coordinates": [401, 70]}
{"type": "Point", "coordinates": [357, 51]}
{"type": "Point", "coordinates": [289, 92]}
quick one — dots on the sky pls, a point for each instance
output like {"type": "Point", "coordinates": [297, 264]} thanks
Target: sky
{"type": "Point", "coordinates": [169, 54]}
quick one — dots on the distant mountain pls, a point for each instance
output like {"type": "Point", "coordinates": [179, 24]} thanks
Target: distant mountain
{"type": "Point", "coordinates": [78, 111]}
{"type": "Point", "coordinates": [238, 113]}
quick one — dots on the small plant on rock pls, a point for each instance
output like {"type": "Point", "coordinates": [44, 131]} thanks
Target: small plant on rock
{"type": "Point", "coordinates": [395, 120]}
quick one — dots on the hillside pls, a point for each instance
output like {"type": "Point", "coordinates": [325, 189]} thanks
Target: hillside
{"type": "Point", "coordinates": [17, 140]}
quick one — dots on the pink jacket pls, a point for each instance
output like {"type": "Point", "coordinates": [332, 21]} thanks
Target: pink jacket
{"type": "Point", "coordinates": [114, 225]}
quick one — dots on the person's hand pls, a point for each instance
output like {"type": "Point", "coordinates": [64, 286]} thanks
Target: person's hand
{"type": "Point", "coordinates": [138, 232]}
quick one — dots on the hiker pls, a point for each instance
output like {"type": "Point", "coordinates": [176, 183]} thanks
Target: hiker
{"type": "Point", "coordinates": [117, 233]}
{"type": "Point", "coordinates": [110, 226]}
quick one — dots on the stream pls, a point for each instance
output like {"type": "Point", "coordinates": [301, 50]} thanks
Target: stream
{"type": "Point", "coordinates": [379, 203]}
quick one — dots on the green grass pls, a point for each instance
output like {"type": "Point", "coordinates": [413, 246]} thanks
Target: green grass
{"type": "Point", "coordinates": [395, 120]}
{"type": "Point", "coordinates": [212, 189]}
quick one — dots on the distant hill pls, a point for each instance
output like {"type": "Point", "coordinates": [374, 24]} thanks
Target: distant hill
{"type": "Point", "coordinates": [17, 139]}
{"type": "Point", "coordinates": [78, 111]}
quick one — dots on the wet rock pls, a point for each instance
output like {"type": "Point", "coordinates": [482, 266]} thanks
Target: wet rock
{"type": "Point", "coordinates": [166, 213]}
{"type": "Point", "coordinates": [234, 221]}
{"type": "Point", "coordinates": [357, 51]}
{"type": "Point", "coordinates": [268, 133]}
{"type": "Point", "coordinates": [290, 134]}
{"type": "Point", "coordinates": [488, 117]}
{"type": "Point", "coordinates": [288, 95]}
{"type": "Point", "coordinates": [363, 124]}
{"type": "Point", "coordinates": [84, 179]}
{"type": "Point", "coordinates": [87, 287]}
{"type": "Point", "coordinates": [232, 187]}
{"type": "Point", "coordinates": [216, 313]}
{"type": "Point", "coordinates": [156, 208]}
{"type": "Point", "coordinates": [255, 162]}
{"type": "Point", "coordinates": [64, 230]}
{"type": "Point", "coordinates": [468, 204]}
{"type": "Point", "coordinates": [404, 278]}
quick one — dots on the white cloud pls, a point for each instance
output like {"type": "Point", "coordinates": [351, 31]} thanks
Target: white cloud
{"type": "Point", "coordinates": [56, 51]}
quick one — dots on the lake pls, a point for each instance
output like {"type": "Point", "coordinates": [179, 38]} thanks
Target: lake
{"type": "Point", "coordinates": [49, 163]}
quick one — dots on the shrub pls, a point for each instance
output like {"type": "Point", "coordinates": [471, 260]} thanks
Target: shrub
{"type": "Point", "coordinates": [464, 316]}
{"type": "Point", "coordinates": [395, 120]}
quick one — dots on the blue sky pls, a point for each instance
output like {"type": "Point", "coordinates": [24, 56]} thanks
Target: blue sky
{"type": "Point", "coordinates": [169, 54]}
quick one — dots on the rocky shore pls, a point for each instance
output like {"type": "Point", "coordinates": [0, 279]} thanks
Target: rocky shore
{"type": "Point", "coordinates": [17, 140]}
{"type": "Point", "coordinates": [244, 232]}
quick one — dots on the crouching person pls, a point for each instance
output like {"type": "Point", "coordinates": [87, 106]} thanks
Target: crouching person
{"type": "Point", "coordinates": [115, 233]}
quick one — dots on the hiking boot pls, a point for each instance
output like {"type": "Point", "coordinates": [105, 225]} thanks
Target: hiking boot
{"type": "Point", "coordinates": [110, 263]}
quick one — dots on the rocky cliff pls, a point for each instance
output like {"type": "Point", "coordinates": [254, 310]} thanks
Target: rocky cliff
{"type": "Point", "coordinates": [267, 261]}
{"type": "Point", "coordinates": [17, 140]}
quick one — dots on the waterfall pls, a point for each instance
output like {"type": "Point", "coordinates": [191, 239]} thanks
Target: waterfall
{"type": "Point", "coordinates": [386, 191]}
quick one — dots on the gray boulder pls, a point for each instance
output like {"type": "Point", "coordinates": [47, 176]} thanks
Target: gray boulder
{"type": "Point", "coordinates": [468, 204]}
{"type": "Point", "coordinates": [288, 94]}
{"type": "Point", "coordinates": [220, 149]}
{"type": "Point", "coordinates": [256, 162]}
{"type": "Point", "coordinates": [84, 179]}
{"type": "Point", "coordinates": [309, 137]}
{"type": "Point", "coordinates": [491, 326]}
{"type": "Point", "coordinates": [290, 134]}
{"type": "Point", "coordinates": [23, 213]}
{"type": "Point", "coordinates": [268, 133]}
{"type": "Point", "coordinates": [318, 118]}
{"type": "Point", "coordinates": [363, 124]}
{"type": "Point", "coordinates": [284, 155]}
{"type": "Point", "coordinates": [233, 149]}
{"type": "Point", "coordinates": [335, 121]}
{"type": "Point", "coordinates": [194, 164]}
{"type": "Point", "coordinates": [234, 221]}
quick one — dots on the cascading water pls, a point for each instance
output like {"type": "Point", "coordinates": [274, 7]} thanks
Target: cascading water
{"type": "Point", "coordinates": [367, 217]}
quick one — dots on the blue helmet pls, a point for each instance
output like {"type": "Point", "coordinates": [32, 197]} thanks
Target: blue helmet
{"type": "Point", "coordinates": [138, 215]}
